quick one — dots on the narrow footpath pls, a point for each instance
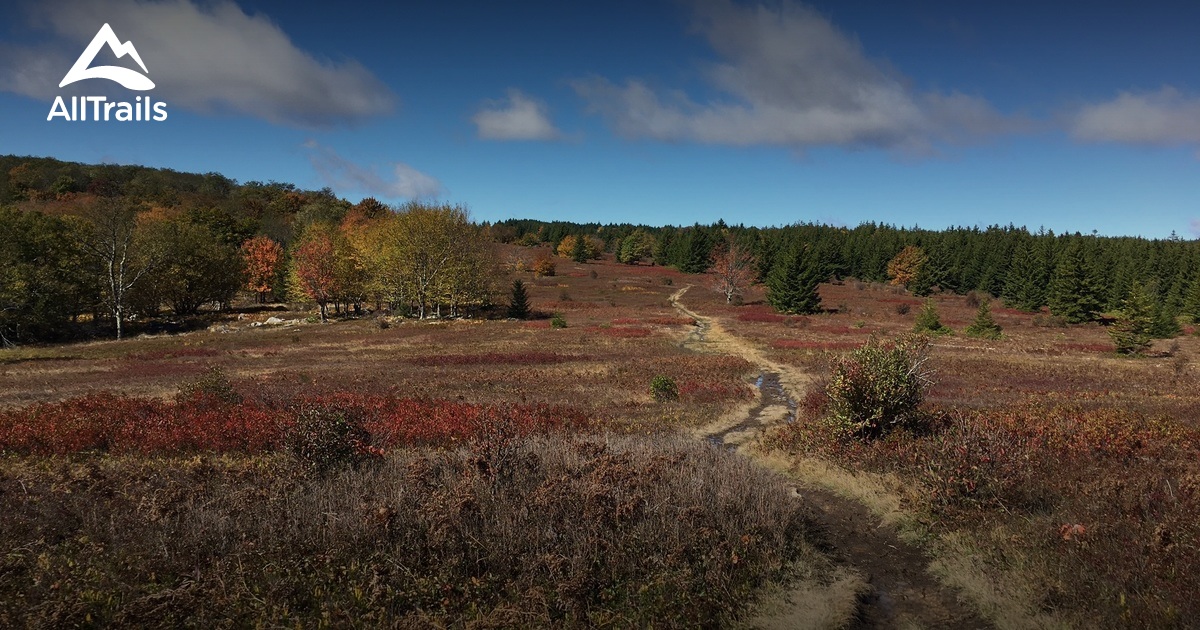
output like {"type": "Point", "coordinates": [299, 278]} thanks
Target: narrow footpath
{"type": "Point", "coordinates": [900, 592]}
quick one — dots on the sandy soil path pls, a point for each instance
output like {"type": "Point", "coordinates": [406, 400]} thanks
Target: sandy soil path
{"type": "Point", "coordinates": [897, 589]}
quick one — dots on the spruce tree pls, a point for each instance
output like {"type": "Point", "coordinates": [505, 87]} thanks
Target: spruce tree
{"type": "Point", "coordinates": [928, 320]}
{"type": "Point", "coordinates": [580, 253]}
{"type": "Point", "coordinates": [1191, 301]}
{"type": "Point", "coordinates": [792, 284]}
{"type": "Point", "coordinates": [1073, 289]}
{"type": "Point", "coordinates": [1131, 333]}
{"type": "Point", "coordinates": [934, 273]}
{"type": "Point", "coordinates": [1025, 286]}
{"type": "Point", "coordinates": [984, 326]}
{"type": "Point", "coordinates": [518, 306]}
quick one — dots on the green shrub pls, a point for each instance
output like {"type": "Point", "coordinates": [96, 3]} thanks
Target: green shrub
{"type": "Point", "coordinates": [879, 387]}
{"type": "Point", "coordinates": [558, 321]}
{"type": "Point", "coordinates": [984, 326]}
{"type": "Point", "coordinates": [928, 320]}
{"type": "Point", "coordinates": [213, 384]}
{"type": "Point", "coordinates": [323, 440]}
{"type": "Point", "coordinates": [663, 388]}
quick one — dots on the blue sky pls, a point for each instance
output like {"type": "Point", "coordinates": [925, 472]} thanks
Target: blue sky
{"type": "Point", "coordinates": [1073, 116]}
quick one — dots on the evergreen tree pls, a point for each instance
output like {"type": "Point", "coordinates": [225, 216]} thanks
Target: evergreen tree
{"type": "Point", "coordinates": [1191, 304]}
{"type": "Point", "coordinates": [518, 306]}
{"type": "Point", "coordinates": [579, 252]}
{"type": "Point", "coordinates": [1131, 333]}
{"type": "Point", "coordinates": [984, 326]}
{"type": "Point", "coordinates": [935, 273]}
{"type": "Point", "coordinates": [1025, 287]}
{"type": "Point", "coordinates": [792, 284]}
{"type": "Point", "coordinates": [694, 251]}
{"type": "Point", "coordinates": [928, 320]}
{"type": "Point", "coordinates": [1165, 321]}
{"type": "Point", "coordinates": [1073, 294]}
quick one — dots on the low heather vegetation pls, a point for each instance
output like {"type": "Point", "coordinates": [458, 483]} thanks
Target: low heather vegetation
{"type": "Point", "coordinates": [552, 531]}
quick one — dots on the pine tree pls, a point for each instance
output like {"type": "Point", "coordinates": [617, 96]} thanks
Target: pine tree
{"type": "Point", "coordinates": [1191, 303]}
{"type": "Point", "coordinates": [984, 326]}
{"type": "Point", "coordinates": [1073, 295]}
{"type": "Point", "coordinates": [579, 252]}
{"type": "Point", "coordinates": [1165, 321]}
{"type": "Point", "coordinates": [1131, 333]}
{"type": "Point", "coordinates": [928, 321]}
{"type": "Point", "coordinates": [792, 284]}
{"type": "Point", "coordinates": [934, 273]}
{"type": "Point", "coordinates": [1025, 287]}
{"type": "Point", "coordinates": [518, 306]}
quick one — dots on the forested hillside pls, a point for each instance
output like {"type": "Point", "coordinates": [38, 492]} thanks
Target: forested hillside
{"type": "Point", "coordinates": [84, 248]}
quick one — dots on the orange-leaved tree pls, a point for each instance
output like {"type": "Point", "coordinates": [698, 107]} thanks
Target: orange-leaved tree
{"type": "Point", "coordinates": [315, 267]}
{"type": "Point", "coordinates": [734, 268]}
{"type": "Point", "coordinates": [905, 267]}
{"type": "Point", "coordinates": [262, 257]}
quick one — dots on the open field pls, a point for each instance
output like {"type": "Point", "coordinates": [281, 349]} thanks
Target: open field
{"type": "Point", "coordinates": [1068, 476]}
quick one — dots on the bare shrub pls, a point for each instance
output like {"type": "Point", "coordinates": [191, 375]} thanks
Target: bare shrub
{"type": "Point", "coordinates": [546, 532]}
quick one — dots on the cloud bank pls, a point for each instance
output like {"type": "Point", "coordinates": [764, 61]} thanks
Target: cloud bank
{"type": "Point", "coordinates": [403, 181]}
{"type": "Point", "coordinates": [788, 76]}
{"type": "Point", "coordinates": [1163, 118]}
{"type": "Point", "coordinates": [204, 57]}
{"type": "Point", "coordinates": [517, 117]}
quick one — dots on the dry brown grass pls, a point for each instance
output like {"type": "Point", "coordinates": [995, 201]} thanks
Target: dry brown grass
{"type": "Point", "coordinates": [549, 532]}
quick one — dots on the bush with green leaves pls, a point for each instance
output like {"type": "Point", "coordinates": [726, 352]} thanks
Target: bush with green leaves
{"type": "Point", "coordinates": [663, 388]}
{"type": "Point", "coordinates": [214, 384]}
{"type": "Point", "coordinates": [558, 321]}
{"type": "Point", "coordinates": [322, 440]}
{"type": "Point", "coordinates": [879, 387]}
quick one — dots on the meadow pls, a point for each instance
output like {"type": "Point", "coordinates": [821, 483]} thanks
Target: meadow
{"type": "Point", "coordinates": [510, 473]}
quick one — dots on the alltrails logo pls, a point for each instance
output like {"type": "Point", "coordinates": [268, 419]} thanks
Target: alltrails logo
{"type": "Point", "coordinates": [101, 107]}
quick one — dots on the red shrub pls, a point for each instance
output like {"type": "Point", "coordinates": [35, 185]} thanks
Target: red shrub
{"type": "Point", "coordinates": [801, 344]}
{"type": "Point", "coordinates": [671, 321]}
{"type": "Point", "coordinates": [501, 358]}
{"type": "Point", "coordinates": [705, 391]}
{"type": "Point", "coordinates": [119, 424]}
{"type": "Point", "coordinates": [171, 353]}
{"type": "Point", "coordinates": [625, 332]}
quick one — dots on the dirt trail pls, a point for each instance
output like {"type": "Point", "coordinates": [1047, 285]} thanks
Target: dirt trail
{"type": "Point", "coordinates": [900, 592]}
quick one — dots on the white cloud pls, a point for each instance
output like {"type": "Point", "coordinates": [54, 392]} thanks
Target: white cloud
{"type": "Point", "coordinates": [788, 76]}
{"type": "Point", "coordinates": [517, 117]}
{"type": "Point", "coordinates": [204, 57]}
{"type": "Point", "coordinates": [1195, 227]}
{"type": "Point", "coordinates": [403, 182]}
{"type": "Point", "coordinates": [1163, 118]}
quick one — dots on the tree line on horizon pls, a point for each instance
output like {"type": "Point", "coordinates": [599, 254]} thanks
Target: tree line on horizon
{"type": "Point", "coordinates": [1077, 277]}
{"type": "Point", "coordinates": [105, 242]}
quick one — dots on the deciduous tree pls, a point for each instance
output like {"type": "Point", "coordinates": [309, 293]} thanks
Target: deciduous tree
{"type": "Point", "coordinates": [262, 258]}
{"type": "Point", "coordinates": [734, 269]}
{"type": "Point", "coordinates": [906, 265]}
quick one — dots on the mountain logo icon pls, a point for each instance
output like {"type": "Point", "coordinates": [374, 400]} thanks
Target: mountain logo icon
{"type": "Point", "coordinates": [131, 79]}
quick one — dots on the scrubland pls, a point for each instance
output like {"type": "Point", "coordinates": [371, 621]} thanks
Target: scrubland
{"type": "Point", "coordinates": [507, 473]}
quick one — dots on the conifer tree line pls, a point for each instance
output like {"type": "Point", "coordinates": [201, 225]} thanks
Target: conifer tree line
{"type": "Point", "coordinates": [1077, 277]}
{"type": "Point", "coordinates": [84, 249]}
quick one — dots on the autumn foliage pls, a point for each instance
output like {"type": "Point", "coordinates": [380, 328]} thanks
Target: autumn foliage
{"type": "Point", "coordinates": [204, 423]}
{"type": "Point", "coordinates": [262, 257]}
{"type": "Point", "coordinates": [905, 266]}
{"type": "Point", "coordinates": [734, 271]}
